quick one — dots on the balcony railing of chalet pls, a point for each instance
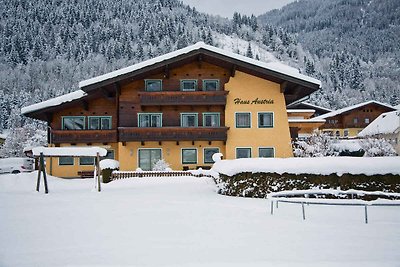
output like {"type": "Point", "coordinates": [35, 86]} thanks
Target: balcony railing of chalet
{"type": "Point", "coordinates": [83, 136]}
{"type": "Point", "coordinates": [173, 134]}
{"type": "Point", "coordinates": [183, 98]}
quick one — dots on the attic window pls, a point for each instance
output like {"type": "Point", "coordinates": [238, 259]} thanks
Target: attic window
{"type": "Point", "coordinates": [153, 85]}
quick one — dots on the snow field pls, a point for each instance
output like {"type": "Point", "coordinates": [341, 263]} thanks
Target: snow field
{"type": "Point", "coordinates": [181, 222]}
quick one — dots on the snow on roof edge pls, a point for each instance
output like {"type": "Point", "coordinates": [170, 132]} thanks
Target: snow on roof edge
{"type": "Point", "coordinates": [274, 66]}
{"type": "Point", "coordinates": [70, 151]}
{"type": "Point", "coordinates": [54, 101]}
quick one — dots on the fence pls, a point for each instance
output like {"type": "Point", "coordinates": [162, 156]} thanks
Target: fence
{"type": "Point", "coordinates": [330, 203]}
{"type": "Point", "coordinates": [117, 175]}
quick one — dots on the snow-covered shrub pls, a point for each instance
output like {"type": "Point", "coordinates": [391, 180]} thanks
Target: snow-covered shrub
{"type": "Point", "coordinates": [377, 147]}
{"type": "Point", "coordinates": [139, 170]}
{"type": "Point", "coordinates": [160, 165]}
{"type": "Point", "coordinates": [317, 145]}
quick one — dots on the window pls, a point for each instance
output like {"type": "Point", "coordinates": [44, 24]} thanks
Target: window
{"type": "Point", "coordinates": [337, 133]}
{"type": "Point", "coordinates": [346, 132]}
{"type": "Point", "coordinates": [189, 120]}
{"type": "Point", "coordinates": [150, 120]}
{"type": "Point", "coordinates": [109, 155]}
{"type": "Point", "coordinates": [73, 123]}
{"type": "Point", "coordinates": [99, 123]}
{"type": "Point", "coordinates": [153, 85]}
{"type": "Point", "coordinates": [210, 85]}
{"type": "Point", "coordinates": [266, 152]}
{"type": "Point", "coordinates": [265, 120]}
{"type": "Point", "coordinates": [188, 85]}
{"type": "Point", "coordinates": [65, 161]}
{"type": "Point", "coordinates": [243, 120]}
{"type": "Point", "coordinates": [243, 153]}
{"type": "Point", "coordinates": [366, 120]}
{"type": "Point", "coordinates": [211, 119]}
{"type": "Point", "coordinates": [355, 120]}
{"type": "Point", "coordinates": [86, 161]}
{"type": "Point", "coordinates": [148, 157]}
{"type": "Point", "coordinates": [189, 156]}
{"type": "Point", "coordinates": [208, 153]}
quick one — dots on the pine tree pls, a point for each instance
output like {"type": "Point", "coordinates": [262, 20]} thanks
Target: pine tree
{"type": "Point", "coordinates": [249, 52]}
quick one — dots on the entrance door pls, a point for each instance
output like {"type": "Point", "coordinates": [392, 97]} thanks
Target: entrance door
{"type": "Point", "coordinates": [148, 157]}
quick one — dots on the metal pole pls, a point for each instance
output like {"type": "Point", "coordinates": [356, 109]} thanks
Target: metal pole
{"type": "Point", "coordinates": [366, 214]}
{"type": "Point", "coordinates": [302, 207]}
{"type": "Point", "coordinates": [43, 168]}
{"type": "Point", "coordinates": [272, 207]}
{"type": "Point", "coordinates": [277, 203]}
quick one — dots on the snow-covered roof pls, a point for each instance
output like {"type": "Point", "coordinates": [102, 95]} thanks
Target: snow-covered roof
{"type": "Point", "coordinates": [300, 110]}
{"type": "Point", "coordinates": [386, 123]}
{"type": "Point", "coordinates": [322, 165]}
{"type": "Point", "coordinates": [273, 66]}
{"type": "Point", "coordinates": [293, 120]}
{"type": "Point", "coordinates": [310, 105]}
{"type": "Point", "coordinates": [54, 101]}
{"type": "Point", "coordinates": [70, 151]}
{"type": "Point", "coordinates": [346, 109]}
{"type": "Point", "coordinates": [351, 145]}
{"type": "Point", "coordinates": [397, 107]}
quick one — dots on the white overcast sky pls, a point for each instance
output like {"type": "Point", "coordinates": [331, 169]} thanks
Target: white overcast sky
{"type": "Point", "coordinates": [226, 8]}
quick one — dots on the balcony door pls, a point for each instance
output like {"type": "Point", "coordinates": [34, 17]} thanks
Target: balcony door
{"type": "Point", "coordinates": [148, 157]}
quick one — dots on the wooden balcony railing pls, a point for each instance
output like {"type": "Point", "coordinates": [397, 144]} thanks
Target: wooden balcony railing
{"type": "Point", "coordinates": [173, 134]}
{"type": "Point", "coordinates": [183, 98]}
{"type": "Point", "coordinates": [83, 136]}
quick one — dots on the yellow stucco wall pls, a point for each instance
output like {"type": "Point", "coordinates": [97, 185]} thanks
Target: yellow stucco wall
{"type": "Point", "coordinates": [248, 87]}
{"type": "Point", "coordinates": [353, 132]}
{"type": "Point", "coordinates": [53, 167]}
{"type": "Point", "coordinates": [171, 152]}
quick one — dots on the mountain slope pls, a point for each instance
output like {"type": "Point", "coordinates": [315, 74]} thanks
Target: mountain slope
{"type": "Point", "coordinates": [356, 46]}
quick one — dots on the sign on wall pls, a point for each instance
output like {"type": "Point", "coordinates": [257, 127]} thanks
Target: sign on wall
{"type": "Point", "coordinates": [256, 101]}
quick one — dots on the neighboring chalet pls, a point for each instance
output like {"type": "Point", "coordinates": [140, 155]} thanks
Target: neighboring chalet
{"type": "Point", "coordinates": [302, 123]}
{"type": "Point", "coordinates": [349, 121]}
{"type": "Point", "coordinates": [182, 107]}
{"type": "Point", "coordinates": [386, 126]}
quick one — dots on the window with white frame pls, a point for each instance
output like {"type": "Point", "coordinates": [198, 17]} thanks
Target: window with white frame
{"type": "Point", "coordinates": [243, 120]}
{"type": "Point", "coordinates": [266, 152]}
{"type": "Point", "coordinates": [243, 152]}
{"type": "Point", "coordinates": [210, 85]}
{"type": "Point", "coordinates": [153, 85]}
{"type": "Point", "coordinates": [211, 119]}
{"type": "Point", "coordinates": [150, 120]}
{"type": "Point", "coordinates": [189, 156]}
{"type": "Point", "coordinates": [189, 119]}
{"type": "Point", "coordinates": [62, 161]}
{"type": "Point", "coordinates": [188, 85]}
{"type": "Point", "coordinates": [86, 161]}
{"type": "Point", "coordinates": [265, 120]}
{"type": "Point", "coordinates": [73, 123]}
{"type": "Point", "coordinates": [99, 122]}
{"type": "Point", "coordinates": [366, 120]}
{"type": "Point", "coordinates": [208, 153]}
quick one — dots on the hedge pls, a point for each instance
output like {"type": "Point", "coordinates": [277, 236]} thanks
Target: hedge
{"type": "Point", "coordinates": [258, 185]}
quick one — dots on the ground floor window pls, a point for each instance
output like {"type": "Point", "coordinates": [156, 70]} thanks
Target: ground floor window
{"type": "Point", "coordinates": [189, 156]}
{"type": "Point", "coordinates": [266, 152]}
{"type": "Point", "coordinates": [148, 157]}
{"type": "Point", "coordinates": [243, 152]}
{"type": "Point", "coordinates": [86, 161]}
{"type": "Point", "coordinates": [110, 155]}
{"type": "Point", "coordinates": [208, 153]}
{"type": "Point", "coordinates": [65, 161]}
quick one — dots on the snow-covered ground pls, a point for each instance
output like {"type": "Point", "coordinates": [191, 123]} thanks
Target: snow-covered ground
{"type": "Point", "coordinates": [182, 222]}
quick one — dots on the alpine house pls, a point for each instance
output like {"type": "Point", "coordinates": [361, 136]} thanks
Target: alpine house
{"type": "Point", "coordinates": [182, 107]}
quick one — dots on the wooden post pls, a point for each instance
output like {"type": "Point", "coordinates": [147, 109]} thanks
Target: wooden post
{"type": "Point", "coordinates": [42, 168]}
{"type": "Point", "coordinates": [38, 178]}
{"type": "Point", "coordinates": [272, 207]}
{"type": "Point", "coordinates": [366, 214]}
{"type": "Point", "coordinates": [304, 213]}
{"type": "Point", "coordinates": [98, 172]}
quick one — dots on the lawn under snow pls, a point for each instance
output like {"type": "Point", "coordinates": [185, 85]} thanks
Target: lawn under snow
{"type": "Point", "coordinates": [182, 222]}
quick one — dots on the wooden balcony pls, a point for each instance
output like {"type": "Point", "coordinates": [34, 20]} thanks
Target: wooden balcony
{"type": "Point", "coordinates": [173, 134]}
{"type": "Point", "coordinates": [83, 136]}
{"type": "Point", "coordinates": [183, 98]}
